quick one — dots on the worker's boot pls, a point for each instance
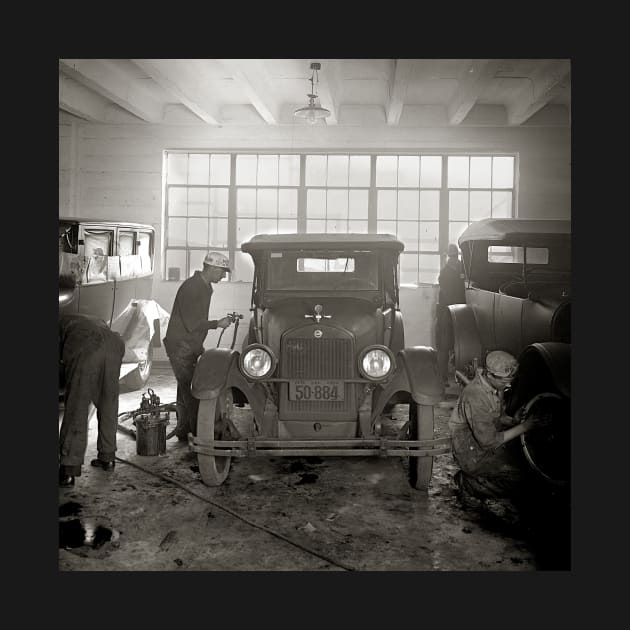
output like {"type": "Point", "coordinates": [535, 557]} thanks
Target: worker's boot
{"type": "Point", "coordinates": [99, 463]}
{"type": "Point", "coordinates": [65, 480]}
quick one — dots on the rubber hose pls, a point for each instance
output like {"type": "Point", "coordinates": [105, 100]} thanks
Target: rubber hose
{"type": "Point", "coordinates": [239, 517]}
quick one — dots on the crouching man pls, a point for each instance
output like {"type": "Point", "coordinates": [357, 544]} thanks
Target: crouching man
{"type": "Point", "coordinates": [481, 431]}
{"type": "Point", "coordinates": [91, 356]}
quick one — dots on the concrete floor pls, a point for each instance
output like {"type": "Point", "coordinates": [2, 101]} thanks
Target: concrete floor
{"type": "Point", "coordinates": [290, 514]}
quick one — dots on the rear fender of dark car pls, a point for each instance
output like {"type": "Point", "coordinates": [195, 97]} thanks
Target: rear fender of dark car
{"type": "Point", "coordinates": [543, 367]}
{"type": "Point", "coordinates": [466, 339]}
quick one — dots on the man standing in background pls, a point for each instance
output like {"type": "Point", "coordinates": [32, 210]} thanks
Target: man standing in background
{"type": "Point", "coordinates": [451, 281]}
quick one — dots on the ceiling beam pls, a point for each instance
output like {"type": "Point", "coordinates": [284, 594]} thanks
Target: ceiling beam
{"type": "Point", "coordinates": [543, 86]}
{"type": "Point", "coordinates": [403, 70]}
{"type": "Point", "coordinates": [329, 88]}
{"type": "Point", "coordinates": [150, 66]}
{"type": "Point", "coordinates": [108, 81]}
{"type": "Point", "coordinates": [79, 101]}
{"type": "Point", "coordinates": [479, 75]}
{"type": "Point", "coordinates": [254, 80]}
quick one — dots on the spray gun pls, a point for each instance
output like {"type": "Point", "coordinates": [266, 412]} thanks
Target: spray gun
{"type": "Point", "coordinates": [234, 318]}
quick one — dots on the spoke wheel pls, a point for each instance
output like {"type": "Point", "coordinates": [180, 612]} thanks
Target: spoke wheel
{"type": "Point", "coordinates": [421, 419]}
{"type": "Point", "coordinates": [547, 445]}
{"type": "Point", "coordinates": [212, 425]}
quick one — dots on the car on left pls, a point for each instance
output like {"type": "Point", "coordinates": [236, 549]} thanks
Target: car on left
{"type": "Point", "coordinates": [106, 271]}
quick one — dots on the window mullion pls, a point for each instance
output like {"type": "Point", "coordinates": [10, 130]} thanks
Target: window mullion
{"type": "Point", "coordinates": [232, 212]}
{"type": "Point", "coordinates": [443, 230]}
{"type": "Point", "coordinates": [372, 197]}
{"type": "Point", "coordinates": [301, 218]}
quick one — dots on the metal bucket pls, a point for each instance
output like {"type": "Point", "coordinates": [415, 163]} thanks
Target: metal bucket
{"type": "Point", "coordinates": [151, 434]}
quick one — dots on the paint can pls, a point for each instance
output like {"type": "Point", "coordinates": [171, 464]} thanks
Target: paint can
{"type": "Point", "coordinates": [151, 433]}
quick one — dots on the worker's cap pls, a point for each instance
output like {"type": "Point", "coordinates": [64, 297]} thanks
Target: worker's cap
{"type": "Point", "coordinates": [215, 259]}
{"type": "Point", "coordinates": [452, 250]}
{"type": "Point", "coordinates": [501, 364]}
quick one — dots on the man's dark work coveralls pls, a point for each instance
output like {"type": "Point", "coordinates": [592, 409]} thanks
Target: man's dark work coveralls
{"type": "Point", "coordinates": [490, 468]}
{"type": "Point", "coordinates": [187, 329]}
{"type": "Point", "coordinates": [91, 354]}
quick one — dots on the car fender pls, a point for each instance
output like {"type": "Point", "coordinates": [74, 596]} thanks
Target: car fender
{"type": "Point", "coordinates": [216, 370]}
{"type": "Point", "coordinates": [466, 339]}
{"type": "Point", "coordinates": [417, 373]}
{"type": "Point", "coordinates": [556, 356]}
{"type": "Point", "coordinates": [543, 367]}
{"type": "Point", "coordinates": [67, 295]}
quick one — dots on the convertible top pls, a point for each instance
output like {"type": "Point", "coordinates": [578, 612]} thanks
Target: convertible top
{"type": "Point", "coordinates": [263, 242]}
{"type": "Point", "coordinates": [515, 230]}
{"type": "Point", "coordinates": [107, 222]}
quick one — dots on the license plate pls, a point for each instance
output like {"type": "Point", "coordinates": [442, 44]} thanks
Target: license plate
{"type": "Point", "coordinates": [316, 390]}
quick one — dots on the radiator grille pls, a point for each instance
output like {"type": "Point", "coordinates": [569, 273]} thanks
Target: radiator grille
{"type": "Point", "coordinates": [327, 358]}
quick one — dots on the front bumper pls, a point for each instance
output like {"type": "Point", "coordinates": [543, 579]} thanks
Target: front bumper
{"type": "Point", "coordinates": [361, 447]}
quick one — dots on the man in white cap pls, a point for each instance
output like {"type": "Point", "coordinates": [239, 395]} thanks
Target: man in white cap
{"type": "Point", "coordinates": [480, 429]}
{"type": "Point", "coordinates": [186, 332]}
{"type": "Point", "coordinates": [451, 281]}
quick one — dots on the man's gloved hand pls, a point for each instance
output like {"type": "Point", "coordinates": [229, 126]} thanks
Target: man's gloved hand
{"type": "Point", "coordinates": [224, 322]}
{"type": "Point", "coordinates": [519, 416]}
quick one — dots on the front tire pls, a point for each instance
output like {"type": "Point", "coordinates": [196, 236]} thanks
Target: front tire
{"type": "Point", "coordinates": [211, 424]}
{"type": "Point", "coordinates": [421, 421]}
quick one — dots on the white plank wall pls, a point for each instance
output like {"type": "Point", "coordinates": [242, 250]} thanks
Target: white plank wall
{"type": "Point", "coordinates": [115, 172]}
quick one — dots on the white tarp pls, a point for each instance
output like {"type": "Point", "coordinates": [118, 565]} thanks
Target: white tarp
{"type": "Point", "coordinates": [136, 327]}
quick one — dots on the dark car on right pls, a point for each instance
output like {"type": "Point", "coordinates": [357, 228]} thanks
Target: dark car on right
{"type": "Point", "coordinates": [518, 299]}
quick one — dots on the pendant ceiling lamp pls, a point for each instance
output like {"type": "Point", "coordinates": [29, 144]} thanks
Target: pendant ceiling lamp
{"type": "Point", "coordinates": [312, 112]}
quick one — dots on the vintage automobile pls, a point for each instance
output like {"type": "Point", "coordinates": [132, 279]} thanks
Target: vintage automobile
{"type": "Point", "coordinates": [518, 299]}
{"type": "Point", "coordinates": [106, 271]}
{"type": "Point", "coordinates": [324, 358]}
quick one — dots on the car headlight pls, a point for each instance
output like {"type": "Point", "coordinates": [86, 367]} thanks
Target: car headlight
{"type": "Point", "coordinates": [376, 363]}
{"type": "Point", "coordinates": [258, 361]}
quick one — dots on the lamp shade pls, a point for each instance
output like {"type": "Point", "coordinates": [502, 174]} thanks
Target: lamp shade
{"type": "Point", "coordinates": [312, 111]}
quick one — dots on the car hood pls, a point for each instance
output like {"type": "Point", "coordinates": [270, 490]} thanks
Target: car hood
{"type": "Point", "coordinates": [360, 318]}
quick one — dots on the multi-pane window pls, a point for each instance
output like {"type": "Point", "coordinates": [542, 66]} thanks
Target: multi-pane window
{"type": "Point", "coordinates": [408, 205]}
{"type": "Point", "coordinates": [337, 193]}
{"type": "Point", "coordinates": [197, 196]}
{"type": "Point", "coordinates": [217, 201]}
{"type": "Point", "coordinates": [478, 187]}
{"type": "Point", "coordinates": [266, 201]}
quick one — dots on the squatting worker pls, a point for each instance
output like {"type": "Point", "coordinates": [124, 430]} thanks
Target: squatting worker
{"type": "Point", "coordinates": [187, 329]}
{"type": "Point", "coordinates": [451, 281]}
{"type": "Point", "coordinates": [480, 430]}
{"type": "Point", "coordinates": [91, 355]}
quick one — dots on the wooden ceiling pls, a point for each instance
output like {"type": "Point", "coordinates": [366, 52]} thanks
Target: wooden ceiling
{"type": "Point", "coordinates": [358, 92]}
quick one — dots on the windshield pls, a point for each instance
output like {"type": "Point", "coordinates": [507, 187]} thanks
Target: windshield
{"type": "Point", "coordinates": [322, 271]}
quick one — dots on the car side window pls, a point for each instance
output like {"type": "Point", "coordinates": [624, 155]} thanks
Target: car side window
{"type": "Point", "coordinates": [145, 251]}
{"type": "Point", "coordinates": [68, 238]}
{"type": "Point", "coordinates": [97, 247]}
{"type": "Point", "coordinates": [97, 242]}
{"type": "Point", "coordinates": [125, 243]}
